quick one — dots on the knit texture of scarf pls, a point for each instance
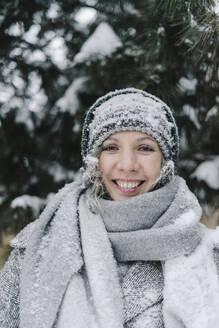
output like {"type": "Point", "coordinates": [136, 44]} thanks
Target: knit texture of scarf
{"type": "Point", "coordinates": [159, 225]}
{"type": "Point", "coordinates": [154, 226]}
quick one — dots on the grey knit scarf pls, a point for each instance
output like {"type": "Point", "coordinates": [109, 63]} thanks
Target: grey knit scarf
{"type": "Point", "coordinates": [151, 226]}
{"type": "Point", "coordinates": [159, 228]}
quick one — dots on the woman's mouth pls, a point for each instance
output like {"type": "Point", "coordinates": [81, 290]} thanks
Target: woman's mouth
{"type": "Point", "coordinates": [128, 186]}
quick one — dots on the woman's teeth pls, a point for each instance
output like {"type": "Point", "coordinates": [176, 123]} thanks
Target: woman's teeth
{"type": "Point", "coordinates": [128, 185]}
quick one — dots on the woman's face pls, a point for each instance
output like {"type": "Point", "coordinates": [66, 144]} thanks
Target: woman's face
{"type": "Point", "coordinates": [130, 163]}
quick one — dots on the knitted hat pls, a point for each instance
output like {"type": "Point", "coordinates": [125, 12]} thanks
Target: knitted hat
{"type": "Point", "coordinates": [130, 109]}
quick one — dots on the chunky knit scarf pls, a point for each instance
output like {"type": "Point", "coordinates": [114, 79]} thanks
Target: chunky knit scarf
{"type": "Point", "coordinates": [162, 225]}
{"type": "Point", "coordinates": [155, 225]}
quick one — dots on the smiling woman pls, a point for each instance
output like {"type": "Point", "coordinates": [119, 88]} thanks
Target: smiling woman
{"type": "Point", "coordinates": [123, 245]}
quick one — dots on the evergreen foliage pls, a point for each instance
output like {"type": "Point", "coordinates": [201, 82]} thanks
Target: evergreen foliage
{"type": "Point", "coordinates": [167, 47]}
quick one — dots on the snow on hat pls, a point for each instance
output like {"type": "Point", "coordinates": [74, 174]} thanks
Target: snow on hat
{"type": "Point", "coordinates": [129, 109]}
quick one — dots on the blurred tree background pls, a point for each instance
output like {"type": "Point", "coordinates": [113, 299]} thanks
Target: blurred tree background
{"type": "Point", "coordinates": [58, 56]}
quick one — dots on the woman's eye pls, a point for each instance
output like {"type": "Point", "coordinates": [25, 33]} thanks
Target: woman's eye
{"type": "Point", "coordinates": [109, 148]}
{"type": "Point", "coordinates": [145, 148]}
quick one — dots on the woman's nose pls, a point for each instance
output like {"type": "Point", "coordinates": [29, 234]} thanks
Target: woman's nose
{"type": "Point", "coordinates": [127, 161]}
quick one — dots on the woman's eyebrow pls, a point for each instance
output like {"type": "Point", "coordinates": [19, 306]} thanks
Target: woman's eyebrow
{"type": "Point", "coordinates": [146, 138]}
{"type": "Point", "coordinates": [111, 138]}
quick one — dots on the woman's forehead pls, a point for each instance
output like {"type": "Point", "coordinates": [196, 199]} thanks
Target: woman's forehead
{"type": "Point", "coordinates": [137, 135]}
